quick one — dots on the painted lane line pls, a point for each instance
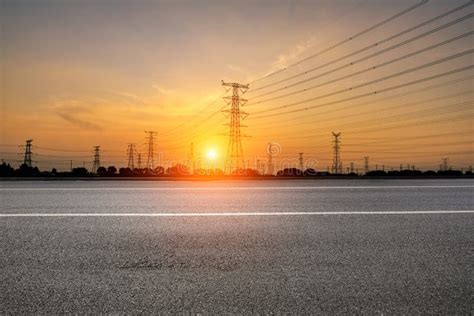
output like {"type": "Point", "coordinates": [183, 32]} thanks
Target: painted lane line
{"type": "Point", "coordinates": [215, 214]}
{"type": "Point", "coordinates": [243, 188]}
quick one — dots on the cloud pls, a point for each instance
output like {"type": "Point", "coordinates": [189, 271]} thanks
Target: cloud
{"type": "Point", "coordinates": [79, 122]}
{"type": "Point", "coordinates": [162, 89]}
{"type": "Point", "coordinates": [292, 55]}
{"type": "Point", "coordinates": [73, 111]}
{"type": "Point", "coordinates": [130, 96]}
{"type": "Point", "coordinates": [236, 68]}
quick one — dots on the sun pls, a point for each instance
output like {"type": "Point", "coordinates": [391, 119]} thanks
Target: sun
{"type": "Point", "coordinates": [211, 154]}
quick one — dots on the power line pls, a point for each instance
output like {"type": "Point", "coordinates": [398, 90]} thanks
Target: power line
{"type": "Point", "coordinates": [395, 75]}
{"type": "Point", "coordinates": [420, 123]}
{"type": "Point", "coordinates": [457, 70]}
{"type": "Point", "coordinates": [183, 124]}
{"type": "Point", "coordinates": [456, 107]}
{"type": "Point", "coordinates": [62, 150]}
{"type": "Point", "coordinates": [412, 124]}
{"type": "Point", "coordinates": [408, 116]}
{"type": "Point", "coordinates": [54, 156]}
{"type": "Point", "coordinates": [377, 101]}
{"type": "Point", "coordinates": [383, 64]}
{"type": "Point", "coordinates": [394, 146]}
{"type": "Point", "coordinates": [367, 47]}
{"type": "Point", "coordinates": [394, 143]}
{"type": "Point", "coordinates": [351, 38]}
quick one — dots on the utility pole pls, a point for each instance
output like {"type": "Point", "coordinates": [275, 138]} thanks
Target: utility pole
{"type": "Point", "coordinates": [352, 167]}
{"type": "Point", "coordinates": [235, 156]}
{"type": "Point", "coordinates": [96, 163]}
{"type": "Point", "coordinates": [27, 160]}
{"type": "Point", "coordinates": [336, 161]}
{"type": "Point", "coordinates": [151, 141]}
{"type": "Point", "coordinates": [301, 162]}
{"type": "Point", "coordinates": [131, 155]}
{"type": "Point", "coordinates": [366, 164]}
{"type": "Point", "coordinates": [139, 161]}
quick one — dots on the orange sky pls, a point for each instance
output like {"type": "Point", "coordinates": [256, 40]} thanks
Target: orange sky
{"type": "Point", "coordinates": [85, 73]}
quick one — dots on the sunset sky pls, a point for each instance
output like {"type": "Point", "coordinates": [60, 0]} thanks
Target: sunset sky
{"type": "Point", "coordinates": [75, 74]}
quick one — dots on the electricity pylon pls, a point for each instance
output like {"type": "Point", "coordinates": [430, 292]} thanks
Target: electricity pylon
{"type": "Point", "coordinates": [444, 166]}
{"type": "Point", "coordinates": [96, 163]}
{"type": "Point", "coordinates": [235, 156]}
{"type": "Point", "coordinates": [192, 162]}
{"type": "Point", "coordinates": [27, 160]}
{"type": "Point", "coordinates": [336, 161]}
{"type": "Point", "coordinates": [131, 155]}
{"type": "Point", "coordinates": [270, 159]}
{"type": "Point", "coordinates": [366, 165]}
{"type": "Point", "coordinates": [139, 161]}
{"type": "Point", "coordinates": [301, 161]}
{"type": "Point", "coordinates": [151, 141]}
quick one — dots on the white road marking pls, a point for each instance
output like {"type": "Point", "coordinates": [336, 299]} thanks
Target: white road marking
{"type": "Point", "coordinates": [98, 189]}
{"type": "Point", "coordinates": [215, 214]}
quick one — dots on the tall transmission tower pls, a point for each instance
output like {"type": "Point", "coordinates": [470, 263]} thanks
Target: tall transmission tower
{"type": "Point", "coordinates": [27, 160]}
{"type": "Point", "coordinates": [444, 166]}
{"type": "Point", "coordinates": [151, 141]}
{"type": "Point", "coordinates": [192, 162]}
{"type": "Point", "coordinates": [300, 160]}
{"type": "Point", "coordinates": [139, 161]}
{"type": "Point", "coordinates": [366, 164]}
{"type": "Point", "coordinates": [235, 156]}
{"type": "Point", "coordinates": [336, 161]}
{"type": "Point", "coordinates": [131, 155]}
{"type": "Point", "coordinates": [96, 163]}
{"type": "Point", "coordinates": [270, 158]}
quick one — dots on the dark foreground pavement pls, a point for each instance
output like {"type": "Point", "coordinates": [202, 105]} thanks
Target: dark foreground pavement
{"type": "Point", "coordinates": [302, 264]}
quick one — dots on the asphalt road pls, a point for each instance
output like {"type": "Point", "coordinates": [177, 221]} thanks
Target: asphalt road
{"type": "Point", "coordinates": [371, 264]}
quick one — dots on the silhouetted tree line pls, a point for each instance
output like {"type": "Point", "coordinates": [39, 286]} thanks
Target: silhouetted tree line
{"type": "Point", "coordinates": [181, 170]}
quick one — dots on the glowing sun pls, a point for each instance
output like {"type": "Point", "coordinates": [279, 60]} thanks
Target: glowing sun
{"type": "Point", "coordinates": [211, 154]}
